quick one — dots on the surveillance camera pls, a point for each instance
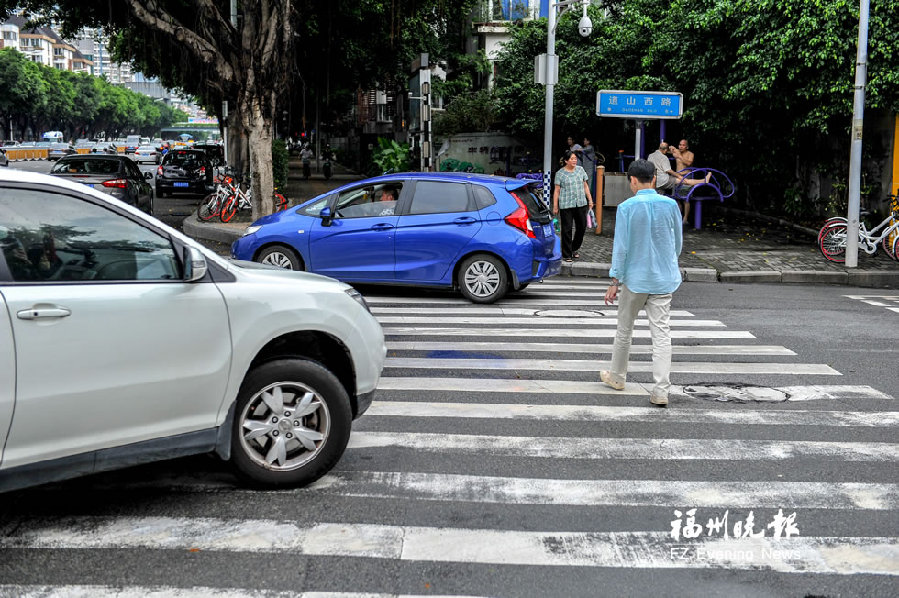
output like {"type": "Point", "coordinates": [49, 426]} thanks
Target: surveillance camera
{"type": "Point", "coordinates": [585, 27]}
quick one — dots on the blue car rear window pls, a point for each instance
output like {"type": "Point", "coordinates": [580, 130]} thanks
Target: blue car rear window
{"type": "Point", "coordinates": [433, 197]}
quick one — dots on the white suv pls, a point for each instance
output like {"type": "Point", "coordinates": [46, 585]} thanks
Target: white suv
{"type": "Point", "coordinates": [123, 341]}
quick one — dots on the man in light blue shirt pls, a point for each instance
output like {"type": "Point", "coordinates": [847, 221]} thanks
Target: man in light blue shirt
{"type": "Point", "coordinates": [648, 240]}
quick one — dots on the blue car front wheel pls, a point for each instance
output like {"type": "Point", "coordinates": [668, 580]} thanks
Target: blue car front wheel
{"type": "Point", "coordinates": [280, 257]}
{"type": "Point", "coordinates": [483, 278]}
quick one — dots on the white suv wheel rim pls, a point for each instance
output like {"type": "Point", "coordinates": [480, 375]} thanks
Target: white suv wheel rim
{"type": "Point", "coordinates": [284, 426]}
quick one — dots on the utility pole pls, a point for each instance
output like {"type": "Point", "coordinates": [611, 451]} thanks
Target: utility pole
{"type": "Point", "coordinates": [549, 63]}
{"type": "Point", "coordinates": [858, 121]}
{"type": "Point", "coordinates": [225, 102]}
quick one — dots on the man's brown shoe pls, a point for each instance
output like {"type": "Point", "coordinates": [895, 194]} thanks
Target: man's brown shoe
{"type": "Point", "coordinates": [606, 377]}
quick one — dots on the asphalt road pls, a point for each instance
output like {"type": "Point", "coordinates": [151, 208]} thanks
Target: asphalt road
{"type": "Point", "coordinates": [496, 477]}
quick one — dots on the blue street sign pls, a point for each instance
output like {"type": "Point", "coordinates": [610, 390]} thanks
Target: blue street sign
{"type": "Point", "coordinates": [639, 104]}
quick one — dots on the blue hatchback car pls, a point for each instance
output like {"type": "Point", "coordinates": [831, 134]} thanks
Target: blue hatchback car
{"type": "Point", "coordinates": [485, 235]}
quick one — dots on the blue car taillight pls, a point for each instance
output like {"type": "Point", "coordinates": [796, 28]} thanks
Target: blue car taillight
{"type": "Point", "coordinates": [519, 218]}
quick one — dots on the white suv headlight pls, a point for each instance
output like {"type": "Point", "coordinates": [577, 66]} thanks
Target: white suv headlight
{"type": "Point", "coordinates": [359, 298]}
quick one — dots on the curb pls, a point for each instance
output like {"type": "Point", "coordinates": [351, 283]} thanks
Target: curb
{"type": "Point", "coordinates": [220, 233]}
{"type": "Point", "coordinates": [859, 278]}
{"type": "Point", "coordinates": [223, 233]}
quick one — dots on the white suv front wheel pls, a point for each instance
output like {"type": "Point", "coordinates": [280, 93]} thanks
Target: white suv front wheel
{"type": "Point", "coordinates": [291, 425]}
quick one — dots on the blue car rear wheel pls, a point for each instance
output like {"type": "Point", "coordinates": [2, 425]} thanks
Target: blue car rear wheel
{"type": "Point", "coordinates": [483, 279]}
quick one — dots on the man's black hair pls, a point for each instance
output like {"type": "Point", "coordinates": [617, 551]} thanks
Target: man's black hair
{"type": "Point", "coordinates": [642, 170]}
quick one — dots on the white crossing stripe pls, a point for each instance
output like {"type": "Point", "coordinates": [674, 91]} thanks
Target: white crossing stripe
{"type": "Point", "coordinates": [96, 591]}
{"type": "Point", "coordinates": [516, 386]}
{"type": "Point", "coordinates": [591, 348]}
{"type": "Point", "coordinates": [634, 493]}
{"type": "Point", "coordinates": [593, 298]}
{"type": "Point", "coordinates": [509, 300]}
{"type": "Point", "coordinates": [506, 386]}
{"type": "Point", "coordinates": [536, 321]}
{"type": "Point", "coordinates": [605, 413]}
{"type": "Point", "coordinates": [665, 449]}
{"type": "Point", "coordinates": [653, 550]}
{"type": "Point", "coordinates": [587, 365]}
{"type": "Point", "coordinates": [554, 332]}
{"type": "Point", "coordinates": [494, 310]}
{"type": "Point", "coordinates": [890, 302]}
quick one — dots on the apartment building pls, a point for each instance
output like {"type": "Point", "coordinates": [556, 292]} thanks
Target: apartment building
{"type": "Point", "coordinates": [43, 45]}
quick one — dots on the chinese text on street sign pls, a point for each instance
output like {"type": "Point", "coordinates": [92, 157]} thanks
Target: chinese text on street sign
{"type": "Point", "coordinates": [639, 104]}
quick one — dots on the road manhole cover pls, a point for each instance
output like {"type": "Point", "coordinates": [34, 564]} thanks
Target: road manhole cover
{"type": "Point", "coordinates": [737, 393]}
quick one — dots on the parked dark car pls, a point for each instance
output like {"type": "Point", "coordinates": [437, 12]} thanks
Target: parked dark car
{"type": "Point", "coordinates": [59, 150]}
{"type": "Point", "coordinates": [184, 171]}
{"type": "Point", "coordinates": [215, 152]}
{"type": "Point", "coordinates": [118, 176]}
{"type": "Point", "coordinates": [481, 234]}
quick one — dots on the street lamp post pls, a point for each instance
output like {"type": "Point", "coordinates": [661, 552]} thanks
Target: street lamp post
{"type": "Point", "coordinates": [550, 76]}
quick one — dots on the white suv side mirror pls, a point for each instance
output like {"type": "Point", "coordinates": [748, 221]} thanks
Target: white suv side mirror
{"type": "Point", "coordinates": [194, 265]}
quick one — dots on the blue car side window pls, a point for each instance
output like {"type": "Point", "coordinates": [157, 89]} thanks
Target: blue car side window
{"type": "Point", "coordinates": [440, 198]}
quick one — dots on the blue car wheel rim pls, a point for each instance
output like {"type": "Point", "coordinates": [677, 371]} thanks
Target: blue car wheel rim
{"type": "Point", "coordinates": [482, 279]}
{"type": "Point", "coordinates": [279, 260]}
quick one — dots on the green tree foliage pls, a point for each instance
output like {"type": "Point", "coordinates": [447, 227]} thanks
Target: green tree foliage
{"type": "Point", "coordinates": [767, 84]}
{"type": "Point", "coordinates": [473, 111]}
{"type": "Point", "coordinates": [344, 46]}
{"type": "Point", "coordinates": [279, 163]}
{"type": "Point", "coordinates": [77, 104]}
{"type": "Point", "coordinates": [391, 156]}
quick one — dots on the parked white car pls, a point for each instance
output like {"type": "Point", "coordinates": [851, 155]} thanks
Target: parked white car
{"type": "Point", "coordinates": [122, 341]}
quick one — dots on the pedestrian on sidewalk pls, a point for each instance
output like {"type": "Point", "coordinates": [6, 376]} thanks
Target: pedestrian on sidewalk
{"type": "Point", "coordinates": [577, 149]}
{"type": "Point", "coordinates": [647, 243]}
{"type": "Point", "coordinates": [571, 200]}
{"type": "Point", "coordinates": [588, 161]}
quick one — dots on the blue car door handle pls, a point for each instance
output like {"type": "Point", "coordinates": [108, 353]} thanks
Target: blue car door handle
{"type": "Point", "coordinates": [465, 220]}
{"type": "Point", "coordinates": [382, 226]}
{"type": "Point", "coordinates": [43, 311]}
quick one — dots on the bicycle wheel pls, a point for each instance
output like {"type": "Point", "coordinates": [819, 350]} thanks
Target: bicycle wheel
{"type": "Point", "coordinates": [229, 209]}
{"type": "Point", "coordinates": [210, 207]}
{"type": "Point", "coordinates": [279, 201]}
{"type": "Point", "coordinates": [828, 222]}
{"type": "Point", "coordinates": [832, 242]}
{"type": "Point", "coordinates": [889, 244]}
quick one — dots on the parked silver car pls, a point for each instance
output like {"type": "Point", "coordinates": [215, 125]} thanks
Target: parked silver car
{"type": "Point", "coordinates": [122, 341]}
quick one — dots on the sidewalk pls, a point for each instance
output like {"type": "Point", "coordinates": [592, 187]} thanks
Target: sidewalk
{"type": "Point", "coordinates": [732, 246]}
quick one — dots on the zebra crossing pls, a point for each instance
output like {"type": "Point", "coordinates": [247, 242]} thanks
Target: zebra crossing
{"type": "Point", "coordinates": [889, 302]}
{"type": "Point", "coordinates": [492, 454]}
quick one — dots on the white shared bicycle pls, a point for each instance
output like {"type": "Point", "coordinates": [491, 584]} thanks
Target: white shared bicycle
{"type": "Point", "coordinates": [834, 235]}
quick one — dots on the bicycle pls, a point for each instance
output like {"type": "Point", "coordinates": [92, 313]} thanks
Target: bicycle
{"type": "Point", "coordinates": [240, 200]}
{"type": "Point", "coordinates": [833, 236]}
{"type": "Point", "coordinates": [211, 205]}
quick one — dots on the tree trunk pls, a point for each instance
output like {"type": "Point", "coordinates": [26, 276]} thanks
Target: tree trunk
{"type": "Point", "coordinates": [258, 125]}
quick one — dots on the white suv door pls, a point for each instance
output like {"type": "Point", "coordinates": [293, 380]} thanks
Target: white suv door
{"type": "Point", "coordinates": [111, 346]}
{"type": "Point", "coordinates": [7, 375]}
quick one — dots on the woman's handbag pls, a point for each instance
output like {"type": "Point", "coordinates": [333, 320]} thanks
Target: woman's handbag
{"type": "Point", "coordinates": [591, 219]}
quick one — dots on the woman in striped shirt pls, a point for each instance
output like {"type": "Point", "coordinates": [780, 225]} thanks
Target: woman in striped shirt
{"type": "Point", "coordinates": [571, 200]}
